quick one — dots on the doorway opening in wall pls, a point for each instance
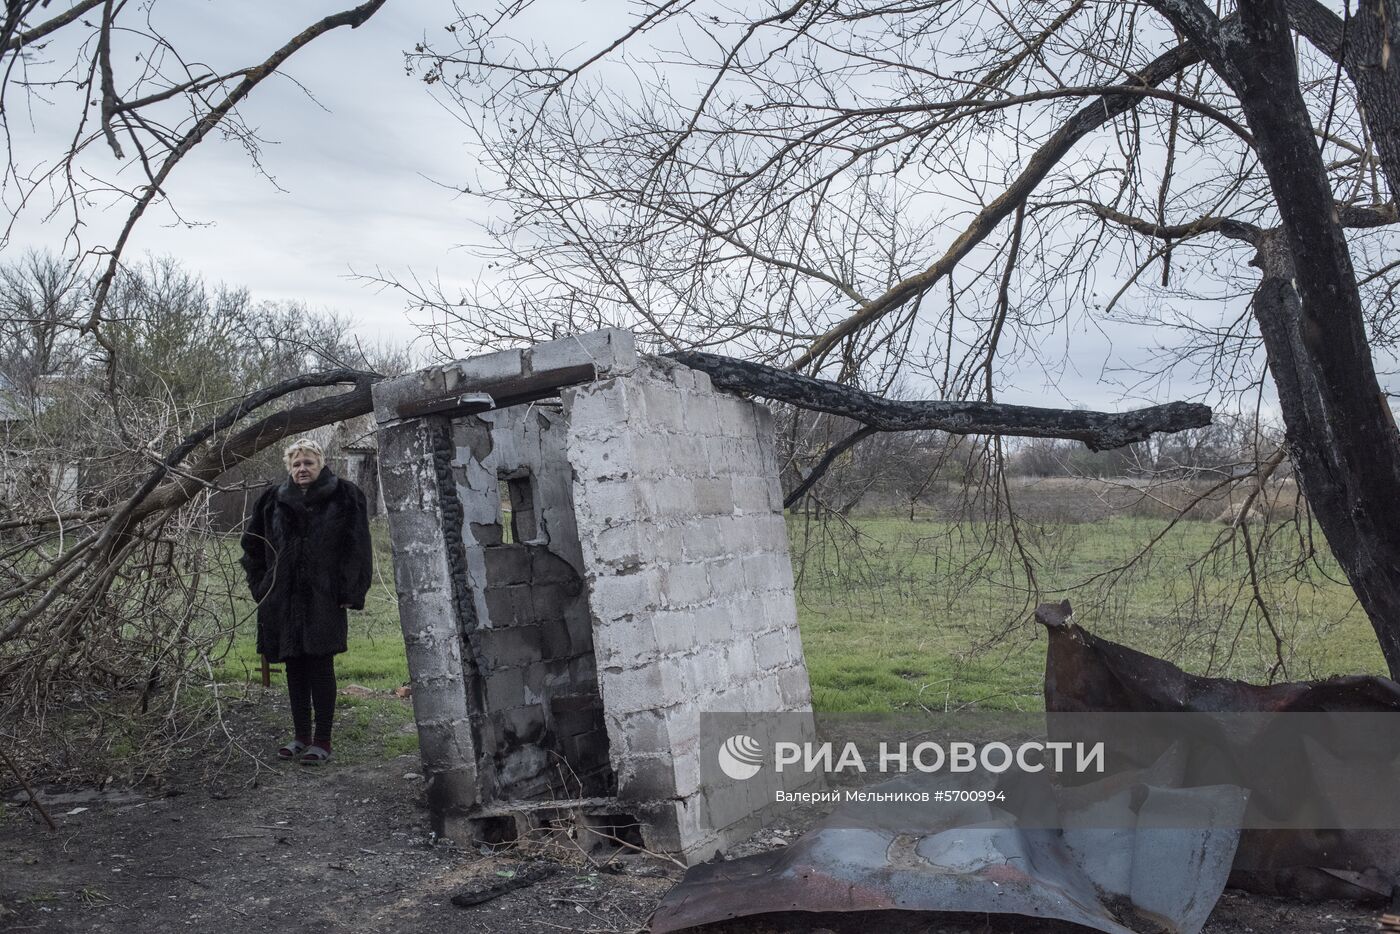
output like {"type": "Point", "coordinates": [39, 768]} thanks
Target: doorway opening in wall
{"type": "Point", "coordinates": [517, 505]}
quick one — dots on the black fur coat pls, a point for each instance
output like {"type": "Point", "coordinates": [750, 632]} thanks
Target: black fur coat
{"type": "Point", "coordinates": [308, 557]}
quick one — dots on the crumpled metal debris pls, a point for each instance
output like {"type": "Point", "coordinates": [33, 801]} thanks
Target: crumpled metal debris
{"type": "Point", "coordinates": [1084, 673]}
{"type": "Point", "coordinates": [1123, 862]}
{"type": "Point", "coordinates": [970, 857]}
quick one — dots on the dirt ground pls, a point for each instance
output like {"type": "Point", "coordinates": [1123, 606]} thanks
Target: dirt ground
{"type": "Point", "coordinates": [346, 848]}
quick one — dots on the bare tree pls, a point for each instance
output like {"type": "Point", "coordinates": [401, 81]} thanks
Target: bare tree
{"type": "Point", "coordinates": [878, 191]}
{"type": "Point", "coordinates": [130, 90]}
{"type": "Point", "coordinates": [114, 581]}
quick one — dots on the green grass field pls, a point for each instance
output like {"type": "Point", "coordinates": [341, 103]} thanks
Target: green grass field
{"type": "Point", "coordinates": [897, 613]}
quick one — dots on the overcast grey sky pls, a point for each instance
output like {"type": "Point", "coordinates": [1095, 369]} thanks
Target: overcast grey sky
{"type": "Point", "coordinates": [360, 172]}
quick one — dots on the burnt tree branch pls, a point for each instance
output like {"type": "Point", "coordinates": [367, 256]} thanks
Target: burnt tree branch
{"type": "Point", "coordinates": [1099, 431]}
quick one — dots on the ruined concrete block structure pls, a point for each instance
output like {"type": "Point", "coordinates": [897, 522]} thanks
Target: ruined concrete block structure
{"type": "Point", "coordinates": [590, 554]}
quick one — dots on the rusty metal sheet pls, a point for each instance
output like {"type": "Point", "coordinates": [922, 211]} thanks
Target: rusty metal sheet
{"type": "Point", "coordinates": [1084, 673]}
{"type": "Point", "coordinates": [970, 858]}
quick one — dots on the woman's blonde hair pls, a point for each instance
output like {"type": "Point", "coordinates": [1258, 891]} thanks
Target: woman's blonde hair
{"type": "Point", "coordinates": [308, 445]}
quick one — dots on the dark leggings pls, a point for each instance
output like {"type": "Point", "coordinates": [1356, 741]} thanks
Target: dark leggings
{"type": "Point", "coordinates": [311, 681]}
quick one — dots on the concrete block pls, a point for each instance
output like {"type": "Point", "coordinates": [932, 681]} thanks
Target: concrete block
{"type": "Point", "coordinates": [768, 533]}
{"type": "Point", "coordinates": [678, 679]}
{"type": "Point", "coordinates": [611, 351]}
{"type": "Point", "coordinates": [794, 688]}
{"type": "Point", "coordinates": [685, 584]}
{"type": "Point", "coordinates": [727, 576]}
{"type": "Point", "coordinates": [595, 410]}
{"type": "Point", "coordinates": [751, 495]}
{"type": "Point", "coordinates": [508, 564]}
{"type": "Point", "coordinates": [583, 673]}
{"type": "Point", "coordinates": [500, 607]}
{"type": "Point", "coordinates": [626, 641]}
{"type": "Point", "coordinates": [771, 650]}
{"type": "Point", "coordinates": [713, 495]}
{"type": "Point", "coordinates": [765, 426]}
{"type": "Point", "coordinates": [651, 455]}
{"type": "Point", "coordinates": [478, 372]}
{"type": "Point", "coordinates": [628, 690]}
{"type": "Point", "coordinates": [514, 647]}
{"type": "Point", "coordinates": [661, 831]}
{"type": "Point", "coordinates": [620, 542]}
{"type": "Point", "coordinates": [608, 502]}
{"type": "Point", "coordinates": [690, 454]}
{"type": "Point", "coordinates": [553, 601]}
{"type": "Point", "coordinates": [554, 639]}
{"type": "Point", "coordinates": [779, 610]}
{"type": "Point", "coordinates": [582, 723]}
{"type": "Point", "coordinates": [727, 805]}
{"type": "Point", "coordinates": [646, 778]}
{"type": "Point", "coordinates": [544, 679]}
{"type": "Point", "coordinates": [520, 725]}
{"type": "Point", "coordinates": [767, 572]}
{"type": "Point", "coordinates": [713, 624]}
{"type": "Point", "coordinates": [775, 488]}
{"type": "Point", "coordinates": [685, 772]}
{"type": "Point", "coordinates": [615, 460]}
{"type": "Point", "coordinates": [505, 689]}
{"type": "Point", "coordinates": [735, 416]}
{"type": "Point", "coordinates": [703, 671]}
{"type": "Point", "coordinates": [387, 394]}
{"type": "Point", "coordinates": [617, 595]}
{"type": "Point", "coordinates": [683, 726]}
{"type": "Point", "coordinates": [520, 767]}
{"type": "Point", "coordinates": [780, 562]}
{"type": "Point", "coordinates": [442, 664]}
{"type": "Point", "coordinates": [740, 662]}
{"type": "Point", "coordinates": [698, 412]}
{"type": "Point", "coordinates": [545, 567]}
{"type": "Point", "coordinates": [681, 377]}
{"type": "Point", "coordinates": [645, 732]}
{"type": "Point", "coordinates": [675, 631]}
{"type": "Point", "coordinates": [663, 406]}
{"type": "Point", "coordinates": [709, 537]}
{"type": "Point", "coordinates": [672, 496]}
{"type": "Point", "coordinates": [579, 622]}
{"type": "Point", "coordinates": [765, 695]}
{"type": "Point", "coordinates": [663, 545]}
{"type": "Point", "coordinates": [421, 574]}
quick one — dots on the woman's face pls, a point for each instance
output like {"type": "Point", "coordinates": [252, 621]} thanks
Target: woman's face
{"type": "Point", "coordinates": [305, 468]}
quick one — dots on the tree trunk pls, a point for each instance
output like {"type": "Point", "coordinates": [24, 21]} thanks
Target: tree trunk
{"type": "Point", "coordinates": [1332, 456]}
{"type": "Point", "coordinates": [1340, 431]}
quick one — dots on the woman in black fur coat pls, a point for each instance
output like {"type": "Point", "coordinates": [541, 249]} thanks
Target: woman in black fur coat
{"type": "Point", "coordinates": [307, 553]}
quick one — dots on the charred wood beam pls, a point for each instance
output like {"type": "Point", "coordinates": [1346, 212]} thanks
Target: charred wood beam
{"type": "Point", "coordinates": [261, 435]}
{"type": "Point", "coordinates": [1099, 431]}
{"type": "Point", "coordinates": [467, 396]}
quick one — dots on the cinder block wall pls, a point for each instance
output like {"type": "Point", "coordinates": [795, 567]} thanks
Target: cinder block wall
{"type": "Point", "coordinates": [685, 551]}
{"type": "Point", "coordinates": [654, 588]}
{"type": "Point", "coordinates": [538, 714]}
